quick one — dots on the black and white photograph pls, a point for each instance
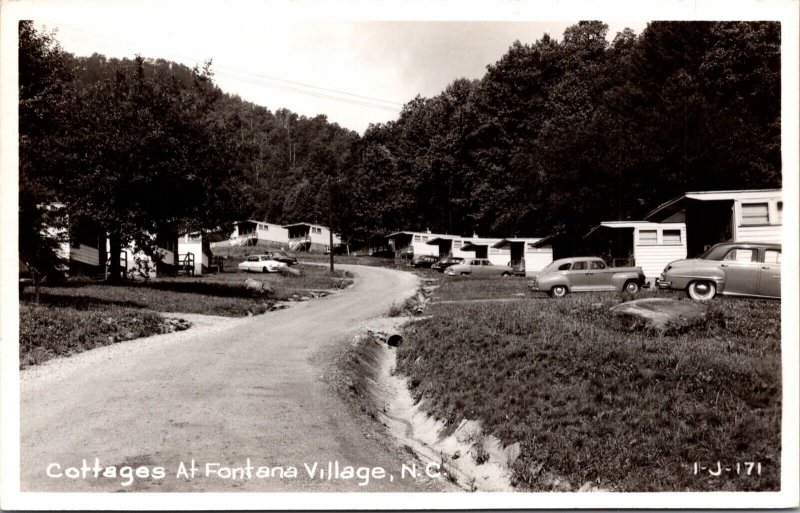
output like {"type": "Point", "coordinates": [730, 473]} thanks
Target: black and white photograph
{"type": "Point", "coordinates": [323, 255]}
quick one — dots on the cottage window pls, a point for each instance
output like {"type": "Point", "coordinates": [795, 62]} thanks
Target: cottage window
{"type": "Point", "coordinates": [755, 213]}
{"type": "Point", "coordinates": [779, 213]}
{"type": "Point", "coordinates": [417, 238]}
{"type": "Point", "coordinates": [456, 243]}
{"type": "Point", "coordinates": [424, 238]}
{"type": "Point", "coordinates": [672, 236]}
{"type": "Point", "coordinates": [648, 237]}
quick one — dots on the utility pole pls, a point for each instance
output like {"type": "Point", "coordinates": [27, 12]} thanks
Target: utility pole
{"type": "Point", "coordinates": [330, 219]}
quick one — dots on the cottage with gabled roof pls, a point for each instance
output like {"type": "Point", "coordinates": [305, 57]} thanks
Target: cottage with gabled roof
{"type": "Point", "coordinates": [718, 216]}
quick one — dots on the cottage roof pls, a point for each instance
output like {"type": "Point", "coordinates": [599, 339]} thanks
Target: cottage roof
{"type": "Point", "coordinates": [669, 207]}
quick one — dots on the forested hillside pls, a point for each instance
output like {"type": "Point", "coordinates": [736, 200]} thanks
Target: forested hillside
{"type": "Point", "coordinates": [560, 135]}
{"type": "Point", "coordinates": [555, 137]}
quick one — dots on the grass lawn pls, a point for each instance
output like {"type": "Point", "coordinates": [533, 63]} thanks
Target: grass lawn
{"type": "Point", "coordinates": [79, 315]}
{"type": "Point", "coordinates": [48, 331]}
{"type": "Point", "coordinates": [589, 400]}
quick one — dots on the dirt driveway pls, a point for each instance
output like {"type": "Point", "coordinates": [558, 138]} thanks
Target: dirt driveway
{"type": "Point", "coordinates": [243, 388]}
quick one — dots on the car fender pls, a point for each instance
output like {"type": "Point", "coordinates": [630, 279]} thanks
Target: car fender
{"type": "Point", "coordinates": [681, 277]}
{"type": "Point", "coordinates": [620, 279]}
{"type": "Point", "coordinates": [549, 281]}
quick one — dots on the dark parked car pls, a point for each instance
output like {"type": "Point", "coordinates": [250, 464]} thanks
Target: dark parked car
{"type": "Point", "coordinates": [729, 268]}
{"type": "Point", "coordinates": [282, 256]}
{"type": "Point", "coordinates": [446, 262]}
{"type": "Point", "coordinates": [424, 261]}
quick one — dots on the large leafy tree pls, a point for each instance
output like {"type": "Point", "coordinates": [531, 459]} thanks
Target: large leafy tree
{"type": "Point", "coordinates": [146, 159]}
{"type": "Point", "coordinates": [45, 101]}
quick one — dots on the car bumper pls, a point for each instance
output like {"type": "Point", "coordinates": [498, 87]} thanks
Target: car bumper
{"type": "Point", "coordinates": [663, 284]}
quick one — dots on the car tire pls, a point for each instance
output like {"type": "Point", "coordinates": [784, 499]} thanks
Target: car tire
{"type": "Point", "coordinates": [505, 275]}
{"type": "Point", "coordinates": [702, 290]}
{"type": "Point", "coordinates": [558, 291]}
{"type": "Point", "coordinates": [264, 270]}
{"type": "Point", "coordinates": [632, 287]}
{"type": "Point", "coordinates": [464, 274]}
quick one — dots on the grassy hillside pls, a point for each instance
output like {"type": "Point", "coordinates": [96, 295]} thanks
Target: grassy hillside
{"type": "Point", "coordinates": [590, 401]}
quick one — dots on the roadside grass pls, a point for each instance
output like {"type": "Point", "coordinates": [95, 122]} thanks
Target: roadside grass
{"type": "Point", "coordinates": [590, 400]}
{"type": "Point", "coordinates": [312, 277]}
{"type": "Point", "coordinates": [81, 314]}
{"type": "Point", "coordinates": [216, 294]}
{"type": "Point", "coordinates": [49, 331]}
{"type": "Point", "coordinates": [466, 288]}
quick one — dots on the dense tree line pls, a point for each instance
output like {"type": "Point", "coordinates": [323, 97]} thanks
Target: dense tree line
{"type": "Point", "coordinates": [141, 147]}
{"type": "Point", "coordinates": [559, 135]}
{"type": "Point", "coordinates": [555, 137]}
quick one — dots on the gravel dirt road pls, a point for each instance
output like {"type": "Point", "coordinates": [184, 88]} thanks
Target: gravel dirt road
{"type": "Point", "coordinates": [219, 393]}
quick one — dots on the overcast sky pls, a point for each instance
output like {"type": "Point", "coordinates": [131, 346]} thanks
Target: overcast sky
{"type": "Point", "coordinates": [355, 72]}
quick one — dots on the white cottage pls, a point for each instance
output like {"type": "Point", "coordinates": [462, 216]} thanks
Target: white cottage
{"type": "Point", "coordinates": [718, 216]}
{"type": "Point", "coordinates": [83, 249]}
{"type": "Point", "coordinates": [525, 254]}
{"type": "Point", "coordinates": [194, 253]}
{"type": "Point", "coordinates": [648, 245]}
{"type": "Point", "coordinates": [408, 244]}
{"type": "Point", "coordinates": [310, 237]}
{"type": "Point", "coordinates": [256, 233]}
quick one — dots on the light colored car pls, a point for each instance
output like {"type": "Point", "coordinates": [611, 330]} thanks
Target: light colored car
{"type": "Point", "coordinates": [478, 267]}
{"type": "Point", "coordinates": [260, 264]}
{"type": "Point", "coordinates": [728, 268]}
{"type": "Point", "coordinates": [587, 274]}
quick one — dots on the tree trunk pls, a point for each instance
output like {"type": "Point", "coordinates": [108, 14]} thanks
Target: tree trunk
{"type": "Point", "coordinates": [37, 283]}
{"type": "Point", "coordinates": [115, 249]}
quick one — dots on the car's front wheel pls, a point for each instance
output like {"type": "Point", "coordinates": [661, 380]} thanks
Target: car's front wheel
{"type": "Point", "coordinates": [264, 270]}
{"type": "Point", "coordinates": [505, 274]}
{"type": "Point", "coordinates": [702, 290]}
{"type": "Point", "coordinates": [632, 287]}
{"type": "Point", "coordinates": [558, 291]}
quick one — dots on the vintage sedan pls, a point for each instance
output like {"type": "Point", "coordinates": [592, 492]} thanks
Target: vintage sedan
{"type": "Point", "coordinates": [260, 264]}
{"type": "Point", "coordinates": [282, 256]}
{"type": "Point", "coordinates": [424, 261]}
{"type": "Point", "coordinates": [587, 274]}
{"type": "Point", "coordinates": [728, 268]}
{"type": "Point", "coordinates": [446, 262]}
{"type": "Point", "coordinates": [478, 267]}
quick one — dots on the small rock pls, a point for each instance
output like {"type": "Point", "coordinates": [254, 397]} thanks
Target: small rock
{"type": "Point", "coordinates": [129, 335]}
{"type": "Point", "coordinates": [110, 340]}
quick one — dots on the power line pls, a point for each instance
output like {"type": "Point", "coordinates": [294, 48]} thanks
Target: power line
{"type": "Point", "coordinates": [264, 80]}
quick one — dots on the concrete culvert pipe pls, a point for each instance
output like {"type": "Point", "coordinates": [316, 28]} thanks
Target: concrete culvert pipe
{"type": "Point", "coordinates": [394, 339]}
